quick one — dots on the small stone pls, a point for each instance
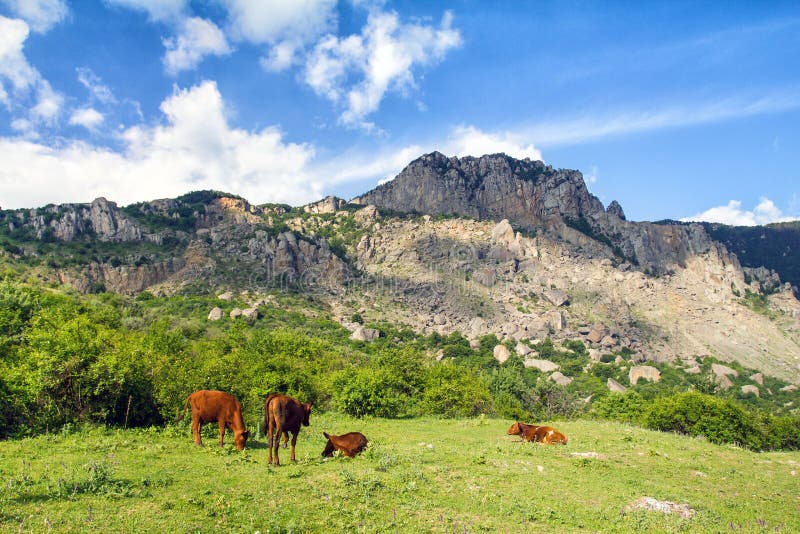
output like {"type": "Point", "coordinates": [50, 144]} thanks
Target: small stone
{"type": "Point", "coordinates": [522, 349]}
{"type": "Point", "coordinates": [236, 312]}
{"type": "Point", "coordinates": [250, 313]}
{"type": "Point", "coordinates": [225, 296]}
{"type": "Point", "coordinates": [215, 314]}
{"type": "Point", "coordinates": [758, 378]}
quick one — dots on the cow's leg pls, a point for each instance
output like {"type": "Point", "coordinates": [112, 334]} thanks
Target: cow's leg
{"type": "Point", "coordinates": [276, 441]}
{"type": "Point", "coordinates": [270, 429]}
{"type": "Point", "coordinates": [294, 441]}
{"type": "Point", "coordinates": [285, 440]}
{"type": "Point", "coordinates": [197, 425]}
{"type": "Point", "coordinates": [221, 433]}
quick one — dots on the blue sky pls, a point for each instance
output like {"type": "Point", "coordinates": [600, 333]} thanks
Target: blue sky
{"type": "Point", "coordinates": [675, 109]}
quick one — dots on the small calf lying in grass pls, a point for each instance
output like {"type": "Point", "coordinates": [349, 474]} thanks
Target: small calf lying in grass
{"type": "Point", "coordinates": [349, 444]}
{"type": "Point", "coordinates": [538, 434]}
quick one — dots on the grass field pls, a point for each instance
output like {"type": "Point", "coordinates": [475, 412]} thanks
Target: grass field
{"type": "Point", "coordinates": [419, 475]}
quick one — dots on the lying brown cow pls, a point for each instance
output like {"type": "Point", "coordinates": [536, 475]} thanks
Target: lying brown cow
{"type": "Point", "coordinates": [216, 406]}
{"type": "Point", "coordinates": [348, 444]}
{"type": "Point", "coordinates": [283, 414]}
{"type": "Point", "coordinates": [538, 434]}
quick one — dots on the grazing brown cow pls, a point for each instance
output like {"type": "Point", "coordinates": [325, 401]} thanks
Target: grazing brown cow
{"type": "Point", "coordinates": [349, 444]}
{"type": "Point", "coordinates": [545, 435]}
{"type": "Point", "coordinates": [216, 406]}
{"type": "Point", "coordinates": [283, 414]}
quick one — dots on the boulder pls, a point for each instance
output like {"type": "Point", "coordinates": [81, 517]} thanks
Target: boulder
{"type": "Point", "coordinates": [595, 355]}
{"type": "Point", "coordinates": [556, 297]}
{"type": "Point", "coordinates": [556, 320]}
{"type": "Point", "coordinates": [501, 353]}
{"type": "Point", "coordinates": [365, 334]}
{"type": "Point", "coordinates": [485, 277]}
{"type": "Point", "coordinates": [597, 333]}
{"type": "Point", "coordinates": [215, 314]}
{"type": "Point", "coordinates": [503, 232]}
{"type": "Point", "coordinates": [790, 387]}
{"type": "Point", "coordinates": [236, 312]}
{"type": "Point", "coordinates": [615, 386]}
{"type": "Point", "coordinates": [758, 378]}
{"type": "Point", "coordinates": [692, 370]}
{"type": "Point", "coordinates": [250, 313]}
{"type": "Point", "coordinates": [723, 370]}
{"type": "Point", "coordinates": [560, 379]}
{"type": "Point", "coordinates": [608, 341]}
{"type": "Point", "coordinates": [477, 326]}
{"type": "Point", "coordinates": [724, 382]}
{"type": "Point", "coordinates": [522, 349]}
{"type": "Point", "coordinates": [746, 390]}
{"type": "Point", "coordinates": [225, 296]}
{"type": "Point", "coordinates": [439, 318]}
{"type": "Point", "coordinates": [647, 372]}
{"type": "Point", "coordinates": [544, 366]}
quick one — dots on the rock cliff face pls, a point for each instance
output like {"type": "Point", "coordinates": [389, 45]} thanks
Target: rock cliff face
{"type": "Point", "coordinates": [532, 195]}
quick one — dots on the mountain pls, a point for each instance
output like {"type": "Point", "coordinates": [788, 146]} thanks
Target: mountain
{"type": "Point", "coordinates": [534, 196]}
{"type": "Point", "coordinates": [481, 246]}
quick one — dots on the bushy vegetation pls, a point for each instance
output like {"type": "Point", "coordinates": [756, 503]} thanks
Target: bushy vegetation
{"type": "Point", "coordinates": [68, 359]}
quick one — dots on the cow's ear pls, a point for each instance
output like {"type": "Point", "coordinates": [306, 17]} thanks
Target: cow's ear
{"type": "Point", "coordinates": [326, 435]}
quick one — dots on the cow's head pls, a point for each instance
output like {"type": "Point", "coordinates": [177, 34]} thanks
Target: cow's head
{"type": "Point", "coordinates": [240, 438]}
{"type": "Point", "coordinates": [515, 429]}
{"type": "Point", "coordinates": [329, 448]}
{"type": "Point", "coordinates": [306, 412]}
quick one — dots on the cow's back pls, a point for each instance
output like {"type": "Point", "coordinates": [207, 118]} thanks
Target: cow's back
{"type": "Point", "coordinates": [212, 405]}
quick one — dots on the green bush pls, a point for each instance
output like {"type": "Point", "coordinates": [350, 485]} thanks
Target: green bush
{"type": "Point", "coordinates": [450, 392]}
{"type": "Point", "coordinates": [627, 407]}
{"type": "Point", "coordinates": [698, 414]}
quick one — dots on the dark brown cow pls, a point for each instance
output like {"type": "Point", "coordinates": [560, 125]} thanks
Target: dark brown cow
{"type": "Point", "coordinates": [538, 434]}
{"type": "Point", "coordinates": [348, 444]}
{"type": "Point", "coordinates": [216, 406]}
{"type": "Point", "coordinates": [283, 414]}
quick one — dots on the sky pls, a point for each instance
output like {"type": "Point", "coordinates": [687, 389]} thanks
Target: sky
{"type": "Point", "coordinates": [677, 110]}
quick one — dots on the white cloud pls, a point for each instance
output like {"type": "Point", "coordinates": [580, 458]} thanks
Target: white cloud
{"type": "Point", "coordinates": [196, 38]}
{"type": "Point", "coordinates": [95, 85]}
{"type": "Point", "coordinates": [578, 130]}
{"type": "Point", "coordinates": [157, 10]}
{"type": "Point", "coordinates": [273, 21]}
{"type": "Point", "coordinates": [361, 69]}
{"type": "Point", "coordinates": [14, 67]}
{"type": "Point", "coordinates": [48, 104]}
{"type": "Point", "coordinates": [89, 118]}
{"type": "Point", "coordinates": [470, 141]}
{"type": "Point", "coordinates": [26, 83]}
{"type": "Point", "coordinates": [41, 15]}
{"type": "Point", "coordinates": [195, 148]}
{"type": "Point", "coordinates": [280, 57]}
{"type": "Point", "coordinates": [764, 213]}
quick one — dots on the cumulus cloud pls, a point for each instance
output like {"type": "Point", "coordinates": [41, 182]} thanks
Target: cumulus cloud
{"type": "Point", "coordinates": [194, 148]}
{"type": "Point", "coordinates": [284, 25]}
{"type": "Point", "coordinates": [196, 39]}
{"type": "Point", "coordinates": [89, 118]}
{"type": "Point", "coordinates": [41, 15]}
{"type": "Point", "coordinates": [26, 85]}
{"type": "Point", "coordinates": [357, 71]}
{"type": "Point", "coordinates": [764, 213]}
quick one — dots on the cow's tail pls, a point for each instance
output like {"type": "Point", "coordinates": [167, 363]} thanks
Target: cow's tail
{"type": "Point", "coordinates": [185, 408]}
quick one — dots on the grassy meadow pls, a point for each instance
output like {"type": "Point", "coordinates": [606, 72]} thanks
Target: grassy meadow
{"type": "Point", "coordinates": [419, 475]}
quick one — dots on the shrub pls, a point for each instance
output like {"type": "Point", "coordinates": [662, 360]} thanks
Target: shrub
{"type": "Point", "coordinates": [450, 392]}
{"type": "Point", "coordinates": [696, 414]}
{"type": "Point", "coordinates": [627, 407]}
